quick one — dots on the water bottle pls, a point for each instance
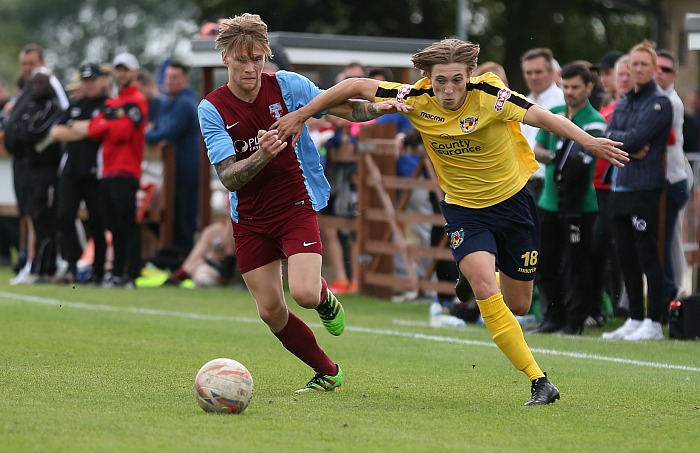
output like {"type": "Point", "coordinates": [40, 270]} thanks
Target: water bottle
{"type": "Point", "coordinates": [452, 321]}
{"type": "Point", "coordinates": [435, 314]}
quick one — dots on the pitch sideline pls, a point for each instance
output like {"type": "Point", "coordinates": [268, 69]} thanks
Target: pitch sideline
{"type": "Point", "coordinates": [387, 332]}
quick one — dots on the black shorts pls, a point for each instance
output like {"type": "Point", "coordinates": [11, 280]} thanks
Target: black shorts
{"type": "Point", "coordinates": [510, 230]}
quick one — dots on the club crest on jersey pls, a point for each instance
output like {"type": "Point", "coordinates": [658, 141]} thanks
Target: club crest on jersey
{"type": "Point", "coordinates": [456, 238]}
{"type": "Point", "coordinates": [468, 125]}
{"type": "Point", "coordinates": [501, 99]}
{"type": "Point", "coordinates": [402, 92]}
{"type": "Point", "coordinates": [276, 110]}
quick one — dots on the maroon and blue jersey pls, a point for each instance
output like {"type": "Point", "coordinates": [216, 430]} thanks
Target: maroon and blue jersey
{"type": "Point", "coordinates": [230, 128]}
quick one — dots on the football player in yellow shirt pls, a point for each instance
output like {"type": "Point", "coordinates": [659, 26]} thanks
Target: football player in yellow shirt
{"type": "Point", "coordinates": [471, 131]}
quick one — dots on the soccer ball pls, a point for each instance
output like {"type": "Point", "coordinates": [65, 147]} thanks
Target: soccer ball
{"type": "Point", "coordinates": [224, 386]}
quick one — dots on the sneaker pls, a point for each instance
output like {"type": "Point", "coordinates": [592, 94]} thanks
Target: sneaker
{"type": "Point", "coordinates": [621, 332]}
{"type": "Point", "coordinates": [24, 278]}
{"type": "Point", "coordinates": [323, 383]}
{"type": "Point", "coordinates": [648, 330]}
{"type": "Point", "coordinates": [463, 290]}
{"type": "Point", "coordinates": [332, 314]}
{"type": "Point", "coordinates": [543, 392]}
{"type": "Point", "coordinates": [339, 287]}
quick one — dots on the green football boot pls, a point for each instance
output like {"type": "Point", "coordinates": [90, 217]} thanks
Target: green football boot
{"type": "Point", "coordinates": [332, 314]}
{"type": "Point", "coordinates": [323, 383]}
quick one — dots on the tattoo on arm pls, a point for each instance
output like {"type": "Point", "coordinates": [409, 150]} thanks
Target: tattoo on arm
{"type": "Point", "coordinates": [363, 111]}
{"type": "Point", "coordinates": [234, 175]}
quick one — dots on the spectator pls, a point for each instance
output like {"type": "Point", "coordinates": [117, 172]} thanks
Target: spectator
{"type": "Point", "coordinates": [691, 124]}
{"type": "Point", "coordinates": [606, 276]}
{"type": "Point", "coordinates": [568, 210]}
{"type": "Point", "coordinates": [148, 86]}
{"type": "Point", "coordinates": [31, 57]}
{"type": "Point", "coordinates": [642, 121]}
{"type": "Point", "coordinates": [31, 135]}
{"type": "Point", "coordinates": [539, 70]}
{"type": "Point", "coordinates": [121, 128]}
{"type": "Point", "coordinates": [606, 74]}
{"type": "Point", "coordinates": [677, 189]}
{"type": "Point", "coordinates": [214, 253]}
{"type": "Point", "coordinates": [177, 123]}
{"type": "Point", "coordinates": [493, 67]}
{"type": "Point", "coordinates": [78, 180]}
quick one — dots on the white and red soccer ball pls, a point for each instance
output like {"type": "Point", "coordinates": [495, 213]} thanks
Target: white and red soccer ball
{"type": "Point", "coordinates": [224, 386]}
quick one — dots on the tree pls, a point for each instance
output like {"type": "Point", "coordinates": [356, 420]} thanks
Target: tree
{"type": "Point", "coordinates": [95, 30]}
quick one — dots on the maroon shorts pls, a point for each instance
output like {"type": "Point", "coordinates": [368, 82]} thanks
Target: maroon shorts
{"type": "Point", "coordinates": [261, 242]}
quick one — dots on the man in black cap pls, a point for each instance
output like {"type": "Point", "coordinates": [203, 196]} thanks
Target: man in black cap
{"type": "Point", "coordinates": [78, 176]}
{"type": "Point", "coordinates": [606, 72]}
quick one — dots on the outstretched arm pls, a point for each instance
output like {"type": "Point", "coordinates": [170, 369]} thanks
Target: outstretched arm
{"type": "Point", "coordinates": [337, 99]}
{"type": "Point", "coordinates": [601, 147]}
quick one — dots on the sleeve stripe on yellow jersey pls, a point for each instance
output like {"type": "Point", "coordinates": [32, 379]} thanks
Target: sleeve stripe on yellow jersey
{"type": "Point", "coordinates": [393, 93]}
{"type": "Point", "coordinates": [496, 91]}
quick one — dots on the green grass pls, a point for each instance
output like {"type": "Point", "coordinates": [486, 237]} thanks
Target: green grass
{"type": "Point", "coordinates": [112, 370]}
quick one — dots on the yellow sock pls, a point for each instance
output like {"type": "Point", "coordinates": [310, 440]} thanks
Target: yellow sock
{"type": "Point", "coordinates": [508, 335]}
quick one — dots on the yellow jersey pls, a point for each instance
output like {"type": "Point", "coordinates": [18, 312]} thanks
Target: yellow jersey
{"type": "Point", "coordinates": [479, 153]}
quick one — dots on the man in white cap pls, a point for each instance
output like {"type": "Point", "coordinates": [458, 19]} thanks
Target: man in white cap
{"type": "Point", "coordinates": [121, 128]}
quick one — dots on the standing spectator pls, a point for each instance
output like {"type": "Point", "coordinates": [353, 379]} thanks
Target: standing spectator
{"type": "Point", "coordinates": [540, 72]}
{"type": "Point", "coordinates": [177, 123]}
{"type": "Point", "coordinates": [568, 209]}
{"type": "Point", "coordinates": [691, 124]}
{"type": "Point", "coordinates": [148, 86]}
{"type": "Point", "coordinates": [642, 120]}
{"type": "Point", "coordinates": [121, 128]}
{"type": "Point", "coordinates": [677, 190]}
{"type": "Point", "coordinates": [31, 134]}
{"type": "Point", "coordinates": [31, 57]}
{"type": "Point", "coordinates": [78, 175]}
{"type": "Point", "coordinates": [606, 74]}
{"type": "Point", "coordinates": [471, 133]}
{"type": "Point", "coordinates": [606, 275]}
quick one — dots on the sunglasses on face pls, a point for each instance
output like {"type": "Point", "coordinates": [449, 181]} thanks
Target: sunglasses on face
{"type": "Point", "coordinates": [667, 70]}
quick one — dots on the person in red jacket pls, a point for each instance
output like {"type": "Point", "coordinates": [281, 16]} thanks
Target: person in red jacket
{"type": "Point", "coordinates": [121, 128]}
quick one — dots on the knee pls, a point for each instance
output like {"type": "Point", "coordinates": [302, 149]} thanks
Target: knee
{"type": "Point", "coordinates": [306, 297]}
{"type": "Point", "coordinates": [519, 307]}
{"type": "Point", "coordinates": [272, 316]}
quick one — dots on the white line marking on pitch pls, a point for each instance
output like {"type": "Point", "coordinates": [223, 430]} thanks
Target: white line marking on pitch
{"type": "Point", "coordinates": [395, 333]}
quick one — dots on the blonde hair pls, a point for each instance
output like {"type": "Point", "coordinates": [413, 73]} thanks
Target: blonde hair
{"type": "Point", "coordinates": [491, 66]}
{"type": "Point", "coordinates": [451, 50]}
{"type": "Point", "coordinates": [645, 46]}
{"type": "Point", "coordinates": [242, 34]}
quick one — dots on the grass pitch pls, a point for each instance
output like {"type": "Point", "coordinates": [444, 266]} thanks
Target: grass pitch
{"type": "Point", "coordinates": [89, 369]}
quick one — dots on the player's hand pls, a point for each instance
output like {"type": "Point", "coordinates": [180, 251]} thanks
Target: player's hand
{"type": "Point", "coordinates": [391, 106]}
{"type": "Point", "coordinates": [605, 148]}
{"type": "Point", "coordinates": [270, 144]}
{"type": "Point", "coordinates": [290, 125]}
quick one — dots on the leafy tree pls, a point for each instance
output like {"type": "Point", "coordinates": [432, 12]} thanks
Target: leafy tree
{"type": "Point", "coordinates": [73, 32]}
{"type": "Point", "coordinates": [573, 29]}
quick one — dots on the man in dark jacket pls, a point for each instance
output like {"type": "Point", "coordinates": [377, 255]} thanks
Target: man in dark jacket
{"type": "Point", "coordinates": [30, 137]}
{"type": "Point", "coordinates": [642, 120]}
{"type": "Point", "coordinates": [177, 123]}
{"type": "Point", "coordinates": [78, 176]}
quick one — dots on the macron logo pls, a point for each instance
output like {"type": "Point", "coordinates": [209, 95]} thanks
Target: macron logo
{"type": "Point", "coordinates": [306, 244]}
{"type": "Point", "coordinates": [229, 126]}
